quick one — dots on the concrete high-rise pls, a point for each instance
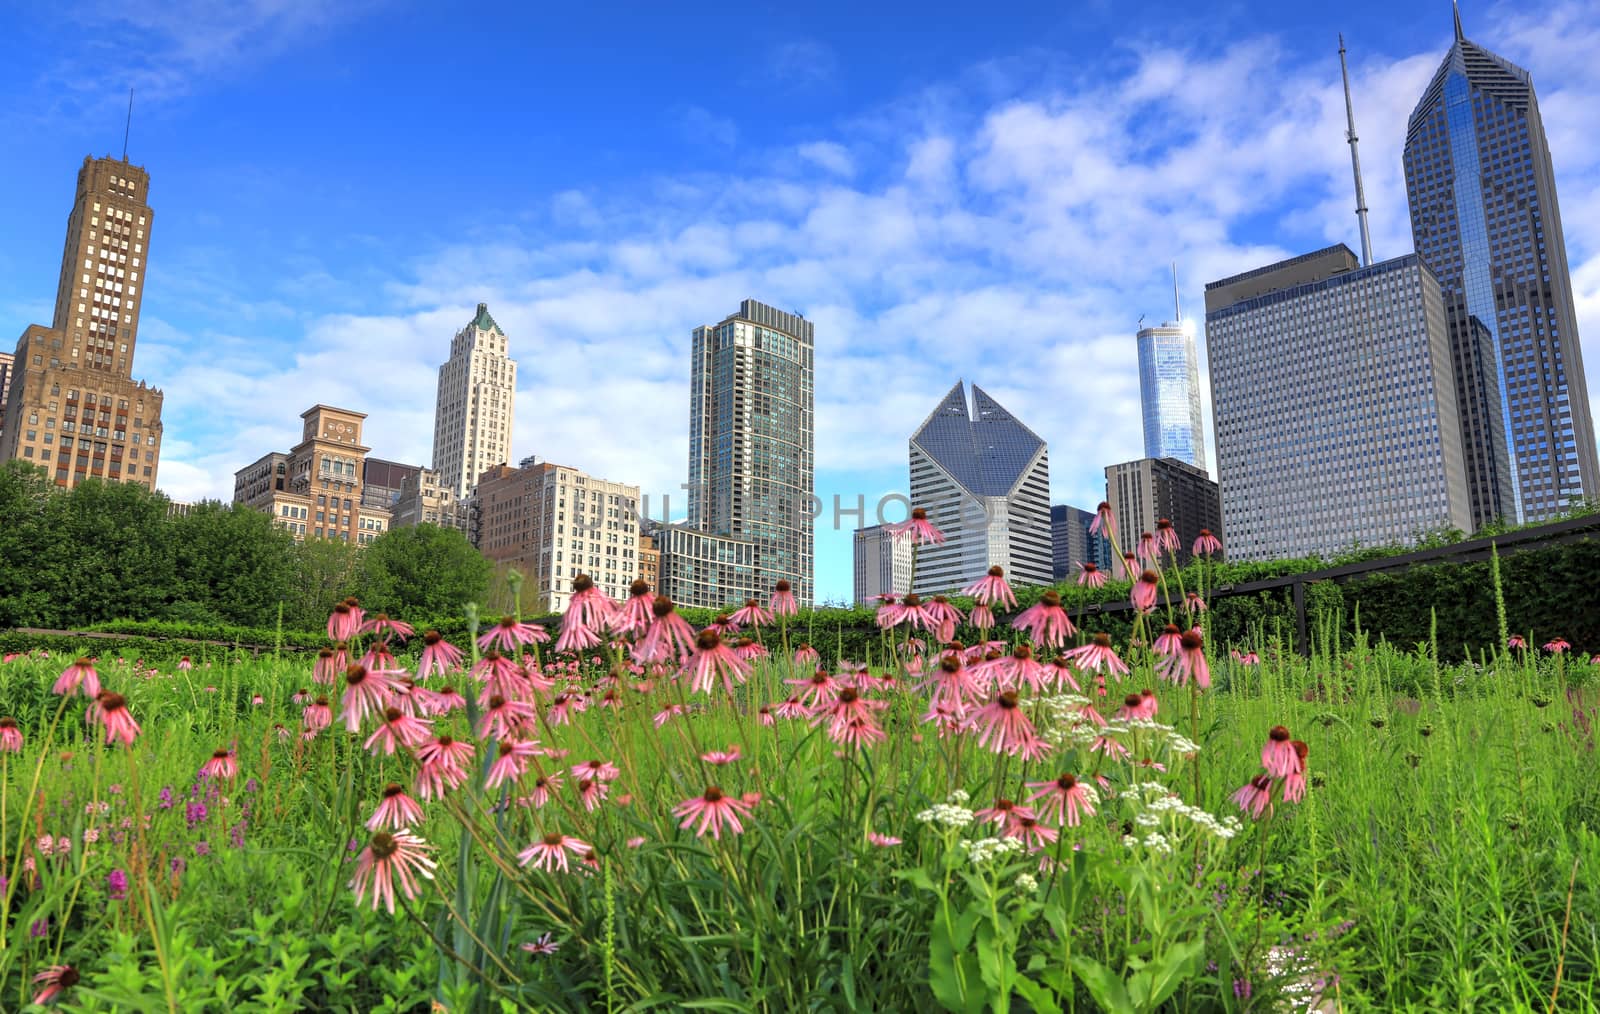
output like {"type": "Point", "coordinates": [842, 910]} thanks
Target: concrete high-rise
{"type": "Point", "coordinates": [473, 414]}
{"type": "Point", "coordinates": [1143, 492]}
{"type": "Point", "coordinates": [6, 361]}
{"type": "Point", "coordinates": [1072, 543]}
{"type": "Point", "coordinates": [1482, 193]}
{"type": "Point", "coordinates": [1335, 406]}
{"type": "Point", "coordinates": [1169, 389]}
{"type": "Point", "coordinates": [751, 462]}
{"type": "Point", "coordinates": [882, 564]}
{"type": "Point", "coordinates": [552, 523]}
{"type": "Point", "coordinates": [316, 490]}
{"type": "Point", "coordinates": [984, 479]}
{"type": "Point", "coordinates": [73, 407]}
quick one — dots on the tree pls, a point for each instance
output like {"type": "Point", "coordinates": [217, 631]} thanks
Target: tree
{"type": "Point", "coordinates": [233, 565]}
{"type": "Point", "coordinates": [424, 571]}
{"type": "Point", "coordinates": [25, 494]}
{"type": "Point", "coordinates": [106, 554]}
{"type": "Point", "coordinates": [325, 571]}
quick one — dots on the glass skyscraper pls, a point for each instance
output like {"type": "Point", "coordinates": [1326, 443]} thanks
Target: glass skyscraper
{"type": "Point", "coordinates": [751, 465]}
{"type": "Point", "coordinates": [1169, 393]}
{"type": "Point", "coordinates": [1482, 196]}
{"type": "Point", "coordinates": [1335, 406]}
{"type": "Point", "coordinates": [984, 479]}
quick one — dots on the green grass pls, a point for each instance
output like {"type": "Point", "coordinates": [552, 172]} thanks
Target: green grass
{"type": "Point", "coordinates": [1429, 867]}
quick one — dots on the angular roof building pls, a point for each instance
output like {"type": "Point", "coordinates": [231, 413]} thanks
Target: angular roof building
{"type": "Point", "coordinates": [1482, 195]}
{"type": "Point", "coordinates": [984, 479]}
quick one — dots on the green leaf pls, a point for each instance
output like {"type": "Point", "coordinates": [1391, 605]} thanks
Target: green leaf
{"type": "Point", "coordinates": [1104, 985]}
{"type": "Point", "coordinates": [1039, 998]}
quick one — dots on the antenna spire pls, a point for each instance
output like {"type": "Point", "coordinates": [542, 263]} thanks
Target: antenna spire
{"type": "Point", "coordinates": [1177, 311]}
{"type": "Point", "coordinates": [1355, 157]}
{"type": "Point", "coordinates": [1460, 36]}
{"type": "Point", "coordinates": [127, 126]}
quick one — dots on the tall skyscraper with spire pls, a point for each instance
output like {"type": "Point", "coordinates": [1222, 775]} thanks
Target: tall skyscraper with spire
{"type": "Point", "coordinates": [1169, 388]}
{"type": "Point", "coordinates": [1484, 217]}
{"type": "Point", "coordinates": [473, 414]}
{"type": "Point", "coordinates": [74, 408]}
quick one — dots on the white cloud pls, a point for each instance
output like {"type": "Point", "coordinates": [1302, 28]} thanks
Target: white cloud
{"type": "Point", "coordinates": [829, 155]}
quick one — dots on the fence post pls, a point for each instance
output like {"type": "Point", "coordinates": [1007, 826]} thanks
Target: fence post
{"type": "Point", "coordinates": [1302, 642]}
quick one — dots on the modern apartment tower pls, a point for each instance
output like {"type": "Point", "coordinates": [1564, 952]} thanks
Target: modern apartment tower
{"type": "Point", "coordinates": [882, 564]}
{"type": "Point", "coordinates": [73, 406]}
{"type": "Point", "coordinates": [1484, 218]}
{"type": "Point", "coordinates": [1072, 543]}
{"type": "Point", "coordinates": [1144, 491]}
{"type": "Point", "coordinates": [751, 462]}
{"type": "Point", "coordinates": [473, 414]}
{"type": "Point", "coordinates": [1335, 406]}
{"type": "Point", "coordinates": [984, 479]}
{"type": "Point", "coordinates": [1169, 389]}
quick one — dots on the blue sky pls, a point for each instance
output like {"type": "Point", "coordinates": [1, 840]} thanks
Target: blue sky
{"type": "Point", "coordinates": [949, 191]}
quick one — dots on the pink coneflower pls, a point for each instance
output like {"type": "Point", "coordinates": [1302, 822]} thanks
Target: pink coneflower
{"type": "Point", "coordinates": [1132, 708]}
{"type": "Point", "coordinates": [1020, 667]}
{"type": "Point", "coordinates": [1059, 671]}
{"type": "Point", "coordinates": [1104, 524]}
{"type": "Point", "coordinates": [1294, 783]}
{"type": "Point", "coordinates": [711, 659]}
{"type": "Point", "coordinates": [79, 674]}
{"type": "Point", "coordinates": [1194, 603]}
{"type": "Point", "coordinates": [111, 711]}
{"type": "Point", "coordinates": [550, 852]}
{"type": "Point", "coordinates": [1091, 576]}
{"type": "Point", "coordinates": [1148, 549]}
{"type": "Point", "coordinates": [544, 945]}
{"type": "Point", "coordinates": [911, 612]}
{"type": "Point", "coordinates": [398, 730]}
{"type": "Point", "coordinates": [599, 770]}
{"type": "Point", "coordinates": [1556, 647]}
{"type": "Point", "coordinates": [806, 655]}
{"type": "Point", "coordinates": [366, 692]}
{"type": "Point", "coordinates": [10, 736]}
{"type": "Point", "coordinates": [1169, 642]}
{"type": "Point", "coordinates": [593, 792]}
{"type": "Point", "coordinates": [1045, 621]}
{"type": "Point", "coordinates": [992, 590]}
{"type": "Point", "coordinates": [381, 624]}
{"type": "Point", "coordinates": [1166, 535]}
{"type": "Point", "coordinates": [714, 811]}
{"type": "Point", "coordinates": [441, 702]}
{"type": "Point", "coordinates": [509, 633]}
{"type": "Point", "coordinates": [221, 765]}
{"type": "Point", "coordinates": [783, 602]}
{"type": "Point", "coordinates": [1144, 591]}
{"type": "Point", "coordinates": [817, 688]}
{"type": "Point", "coordinates": [634, 614]}
{"type": "Point", "coordinates": [749, 649]}
{"type": "Point", "coordinates": [1278, 755]}
{"type": "Point", "coordinates": [396, 810]}
{"type": "Point", "coordinates": [888, 609]}
{"type": "Point", "coordinates": [982, 617]}
{"type": "Point", "coordinates": [944, 615]}
{"type": "Point", "coordinates": [54, 981]}
{"type": "Point", "coordinates": [378, 657]}
{"type": "Point", "coordinates": [1002, 814]}
{"type": "Point", "coordinates": [670, 637]}
{"type": "Point", "coordinates": [1516, 641]}
{"type": "Point", "coordinates": [1097, 656]}
{"type": "Point", "coordinates": [438, 656]}
{"type": "Point", "coordinates": [317, 715]}
{"type": "Point", "coordinates": [184, 665]}
{"type": "Point", "coordinates": [589, 605]}
{"type": "Point", "coordinates": [1189, 663]}
{"type": "Point", "coordinates": [750, 615]}
{"type": "Point", "coordinates": [1255, 796]}
{"type": "Point", "coordinates": [882, 841]}
{"type": "Point", "coordinates": [1002, 726]}
{"type": "Point", "coordinates": [543, 790]}
{"type": "Point", "coordinates": [576, 636]}
{"type": "Point", "coordinates": [443, 766]}
{"type": "Point", "coordinates": [1206, 544]}
{"type": "Point", "coordinates": [564, 706]}
{"type": "Point", "coordinates": [390, 858]}
{"type": "Point", "coordinates": [953, 683]}
{"type": "Point", "coordinates": [1067, 798]}
{"type": "Point", "coordinates": [345, 620]}
{"type": "Point", "coordinates": [793, 707]}
{"type": "Point", "coordinates": [1245, 658]}
{"type": "Point", "coordinates": [667, 714]}
{"type": "Point", "coordinates": [511, 760]}
{"type": "Point", "coordinates": [330, 664]}
{"type": "Point", "coordinates": [721, 757]}
{"type": "Point", "coordinates": [1034, 835]}
{"type": "Point", "coordinates": [918, 529]}
{"type": "Point", "coordinates": [849, 717]}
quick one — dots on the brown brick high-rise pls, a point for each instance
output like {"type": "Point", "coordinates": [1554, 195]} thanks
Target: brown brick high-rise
{"type": "Point", "coordinates": [74, 408]}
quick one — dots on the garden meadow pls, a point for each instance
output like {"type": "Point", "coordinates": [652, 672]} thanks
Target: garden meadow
{"type": "Point", "coordinates": [991, 805]}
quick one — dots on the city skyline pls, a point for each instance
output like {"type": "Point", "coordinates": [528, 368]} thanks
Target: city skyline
{"type": "Point", "coordinates": [590, 270]}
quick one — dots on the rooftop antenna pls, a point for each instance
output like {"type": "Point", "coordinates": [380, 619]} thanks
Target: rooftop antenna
{"type": "Point", "coordinates": [1460, 37]}
{"type": "Point", "coordinates": [1355, 155]}
{"type": "Point", "coordinates": [1177, 311]}
{"type": "Point", "coordinates": [127, 126]}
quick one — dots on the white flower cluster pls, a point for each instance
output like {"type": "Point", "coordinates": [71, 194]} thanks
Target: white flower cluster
{"type": "Point", "coordinates": [986, 850]}
{"type": "Point", "coordinates": [946, 815]}
{"type": "Point", "coordinates": [958, 798]}
{"type": "Point", "coordinates": [1157, 802]}
{"type": "Point", "coordinates": [1026, 883]}
{"type": "Point", "coordinates": [1158, 843]}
